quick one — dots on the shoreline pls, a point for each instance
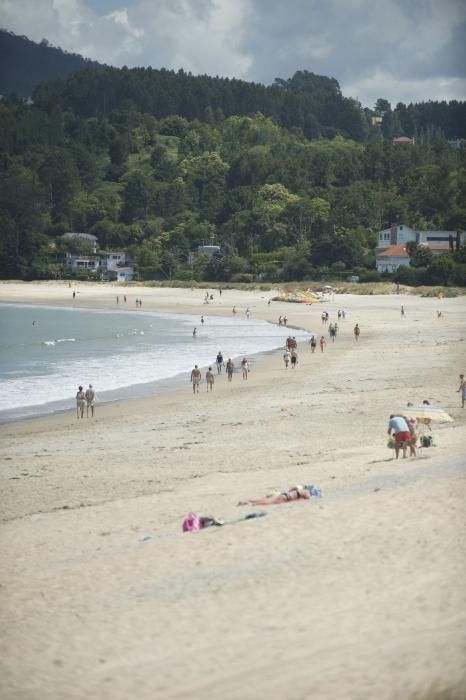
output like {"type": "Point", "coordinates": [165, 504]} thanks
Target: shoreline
{"type": "Point", "coordinates": [91, 610]}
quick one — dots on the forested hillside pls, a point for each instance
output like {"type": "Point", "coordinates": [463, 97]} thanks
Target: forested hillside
{"type": "Point", "coordinates": [156, 163]}
{"type": "Point", "coordinates": [24, 64]}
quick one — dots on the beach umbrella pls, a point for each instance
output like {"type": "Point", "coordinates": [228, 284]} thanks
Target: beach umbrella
{"type": "Point", "coordinates": [426, 411]}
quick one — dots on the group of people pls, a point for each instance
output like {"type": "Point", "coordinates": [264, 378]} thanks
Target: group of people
{"type": "Point", "coordinates": [196, 374]}
{"type": "Point", "coordinates": [85, 400]}
{"type": "Point", "coordinates": [405, 432]}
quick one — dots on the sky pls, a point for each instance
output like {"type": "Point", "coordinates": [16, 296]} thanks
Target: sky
{"type": "Point", "coordinates": [401, 50]}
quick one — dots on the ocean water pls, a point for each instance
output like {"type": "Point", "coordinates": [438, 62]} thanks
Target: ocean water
{"type": "Point", "coordinates": [46, 352]}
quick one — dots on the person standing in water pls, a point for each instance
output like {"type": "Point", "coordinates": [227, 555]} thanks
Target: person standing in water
{"type": "Point", "coordinates": [219, 362]}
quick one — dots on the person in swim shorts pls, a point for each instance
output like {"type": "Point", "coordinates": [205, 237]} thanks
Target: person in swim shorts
{"type": "Point", "coordinates": [209, 377]}
{"type": "Point", "coordinates": [196, 378]}
{"type": "Point", "coordinates": [90, 400]}
{"type": "Point", "coordinates": [402, 435]}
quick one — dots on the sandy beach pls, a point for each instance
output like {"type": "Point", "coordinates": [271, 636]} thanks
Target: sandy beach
{"type": "Point", "coordinates": [359, 595]}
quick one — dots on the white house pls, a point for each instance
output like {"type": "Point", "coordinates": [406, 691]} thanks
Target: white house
{"type": "Point", "coordinates": [75, 263]}
{"type": "Point", "coordinates": [389, 259]}
{"type": "Point", "coordinates": [395, 235]}
{"type": "Point", "coordinates": [439, 241]}
{"type": "Point", "coordinates": [109, 260]}
{"type": "Point", "coordinates": [121, 274]}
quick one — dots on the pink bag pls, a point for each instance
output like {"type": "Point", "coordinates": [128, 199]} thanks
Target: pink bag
{"type": "Point", "coordinates": [191, 523]}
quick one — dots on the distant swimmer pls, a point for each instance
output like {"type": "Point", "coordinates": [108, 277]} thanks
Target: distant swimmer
{"type": "Point", "coordinates": [202, 320]}
{"type": "Point", "coordinates": [196, 378]}
{"type": "Point", "coordinates": [194, 332]}
{"type": "Point", "coordinates": [33, 323]}
{"type": "Point", "coordinates": [80, 402]}
{"type": "Point", "coordinates": [209, 377]}
{"type": "Point", "coordinates": [90, 400]}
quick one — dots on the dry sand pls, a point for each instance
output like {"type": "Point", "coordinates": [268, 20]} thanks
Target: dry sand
{"type": "Point", "coordinates": [360, 595]}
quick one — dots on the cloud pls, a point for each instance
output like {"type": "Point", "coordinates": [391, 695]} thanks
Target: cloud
{"type": "Point", "coordinates": [403, 50]}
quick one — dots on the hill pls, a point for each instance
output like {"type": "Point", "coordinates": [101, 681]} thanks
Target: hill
{"type": "Point", "coordinates": [24, 64]}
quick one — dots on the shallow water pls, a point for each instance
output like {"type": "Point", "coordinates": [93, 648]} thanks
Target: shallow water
{"type": "Point", "coordinates": [46, 352]}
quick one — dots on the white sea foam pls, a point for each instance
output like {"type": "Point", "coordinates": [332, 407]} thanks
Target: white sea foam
{"type": "Point", "coordinates": [108, 351]}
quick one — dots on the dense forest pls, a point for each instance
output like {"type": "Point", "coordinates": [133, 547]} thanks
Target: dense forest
{"type": "Point", "coordinates": [292, 181]}
{"type": "Point", "coordinates": [24, 64]}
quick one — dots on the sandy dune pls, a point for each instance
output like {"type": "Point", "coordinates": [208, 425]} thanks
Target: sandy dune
{"type": "Point", "coordinates": [359, 595]}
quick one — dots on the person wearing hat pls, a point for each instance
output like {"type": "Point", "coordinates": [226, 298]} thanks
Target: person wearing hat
{"type": "Point", "coordinates": [90, 400]}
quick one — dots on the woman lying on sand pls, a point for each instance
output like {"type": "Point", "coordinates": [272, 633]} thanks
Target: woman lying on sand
{"type": "Point", "coordinates": [294, 493]}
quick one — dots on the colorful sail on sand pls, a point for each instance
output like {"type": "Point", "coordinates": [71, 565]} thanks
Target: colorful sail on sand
{"type": "Point", "coordinates": [300, 296]}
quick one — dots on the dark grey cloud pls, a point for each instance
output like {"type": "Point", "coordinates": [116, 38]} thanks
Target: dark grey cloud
{"type": "Point", "coordinates": [404, 50]}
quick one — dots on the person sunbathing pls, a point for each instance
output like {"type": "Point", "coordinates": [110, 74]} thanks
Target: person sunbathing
{"type": "Point", "coordinates": [294, 493]}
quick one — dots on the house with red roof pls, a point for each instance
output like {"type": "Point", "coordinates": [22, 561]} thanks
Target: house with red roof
{"type": "Point", "coordinates": [389, 259]}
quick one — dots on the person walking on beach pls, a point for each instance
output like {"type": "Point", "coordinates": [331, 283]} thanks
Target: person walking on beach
{"type": "Point", "coordinates": [356, 332]}
{"type": "Point", "coordinates": [80, 403]}
{"type": "Point", "coordinates": [402, 435]}
{"type": "Point", "coordinates": [233, 311]}
{"type": "Point", "coordinates": [285, 320]}
{"type": "Point", "coordinates": [322, 343]}
{"type": "Point", "coordinates": [245, 367]}
{"type": "Point", "coordinates": [462, 390]}
{"type": "Point", "coordinates": [196, 378]}
{"type": "Point", "coordinates": [313, 343]}
{"type": "Point", "coordinates": [402, 311]}
{"type": "Point", "coordinates": [230, 367]}
{"type": "Point", "coordinates": [202, 320]}
{"type": "Point", "coordinates": [247, 313]}
{"type": "Point", "coordinates": [209, 377]}
{"type": "Point", "coordinates": [294, 359]}
{"type": "Point", "coordinates": [90, 400]}
{"type": "Point", "coordinates": [286, 358]}
{"type": "Point", "coordinates": [280, 321]}
{"type": "Point", "coordinates": [219, 362]}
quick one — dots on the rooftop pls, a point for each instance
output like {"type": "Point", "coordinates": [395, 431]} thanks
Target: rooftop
{"type": "Point", "coordinates": [394, 251]}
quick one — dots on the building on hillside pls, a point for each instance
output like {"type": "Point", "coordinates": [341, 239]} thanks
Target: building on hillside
{"type": "Point", "coordinates": [120, 274]}
{"type": "Point", "coordinates": [439, 241]}
{"type": "Point", "coordinates": [208, 250]}
{"type": "Point", "coordinates": [109, 260]}
{"type": "Point", "coordinates": [403, 140]}
{"type": "Point", "coordinates": [390, 259]}
{"type": "Point", "coordinates": [396, 234]}
{"type": "Point", "coordinates": [391, 242]}
{"type": "Point", "coordinates": [86, 237]}
{"type": "Point", "coordinates": [79, 263]}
